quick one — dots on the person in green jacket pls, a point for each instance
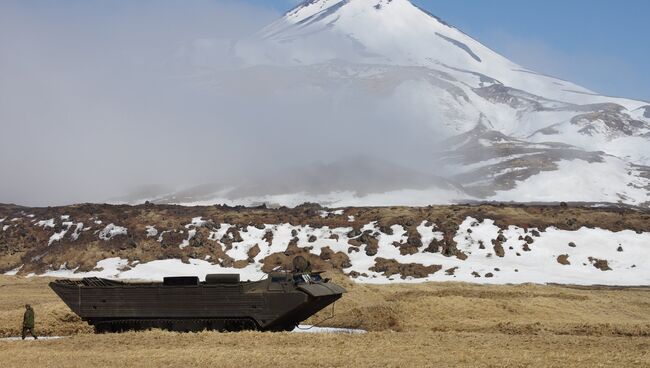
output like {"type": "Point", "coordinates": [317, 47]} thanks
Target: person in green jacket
{"type": "Point", "coordinates": [28, 322]}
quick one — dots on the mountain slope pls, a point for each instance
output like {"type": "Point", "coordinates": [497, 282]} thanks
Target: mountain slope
{"type": "Point", "coordinates": [510, 125]}
{"type": "Point", "coordinates": [399, 33]}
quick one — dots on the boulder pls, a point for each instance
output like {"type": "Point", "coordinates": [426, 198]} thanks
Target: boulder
{"type": "Point", "coordinates": [434, 246]}
{"type": "Point", "coordinates": [253, 252]}
{"type": "Point", "coordinates": [326, 253]}
{"type": "Point", "coordinates": [372, 249]}
{"type": "Point", "coordinates": [268, 237]}
{"type": "Point", "coordinates": [563, 259]}
{"type": "Point", "coordinates": [451, 271]}
{"type": "Point", "coordinates": [390, 267]}
{"type": "Point", "coordinates": [498, 249]}
{"type": "Point", "coordinates": [600, 264]}
{"type": "Point", "coordinates": [354, 233]}
{"type": "Point", "coordinates": [388, 230]}
{"type": "Point", "coordinates": [353, 249]}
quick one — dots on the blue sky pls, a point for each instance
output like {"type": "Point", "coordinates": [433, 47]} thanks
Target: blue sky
{"type": "Point", "coordinates": [603, 45]}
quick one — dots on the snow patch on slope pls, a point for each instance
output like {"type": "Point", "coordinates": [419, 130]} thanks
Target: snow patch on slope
{"type": "Point", "coordinates": [151, 231]}
{"type": "Point", "coordinates": [406, 197]}
{"type": "Point", "coordinates": [520, 261]}
{"type": "Point", "coordinates": [58, 236]}
{"type": "Point", "coordinates": [155, 270]}
{"type": "Point", "coordinates": [111, 231]}
{"type": "Point", "coordinates": [46, 223]}
{"type": "Point", "coordinates": [612, 180]}
{"type": "Point", "coordinates": [14, 272]}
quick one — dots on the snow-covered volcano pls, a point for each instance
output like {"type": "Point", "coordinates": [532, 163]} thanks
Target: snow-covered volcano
{"type": "Point", "coordinates": [396, 32]}
{"type": "Point", "coordinates": [504, 132]}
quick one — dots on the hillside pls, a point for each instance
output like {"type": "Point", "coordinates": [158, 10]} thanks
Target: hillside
{"type": "Point", "coordinates": [487, 243]}
{"type": "Point", "coordinates": [454, 119]}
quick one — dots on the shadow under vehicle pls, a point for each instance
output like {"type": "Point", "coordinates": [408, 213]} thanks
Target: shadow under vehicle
{"type": "Point", "coordinates": [221, 303]}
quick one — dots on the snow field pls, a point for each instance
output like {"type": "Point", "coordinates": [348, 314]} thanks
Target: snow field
{"type": "Point", "coordinates": [537, 262]}
{"type": "Point", "coordinates": [575, 180]}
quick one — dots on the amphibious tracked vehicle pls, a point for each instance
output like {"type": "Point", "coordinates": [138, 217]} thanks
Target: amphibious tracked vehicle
{"type": "Point", "coordinates": [222, 302]}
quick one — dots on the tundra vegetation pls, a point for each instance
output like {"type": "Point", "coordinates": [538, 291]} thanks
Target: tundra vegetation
{"type": "Point", "coordinates": [430, 324]}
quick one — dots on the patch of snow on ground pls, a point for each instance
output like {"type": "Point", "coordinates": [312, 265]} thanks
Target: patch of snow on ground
{"type": "Point", "coordinates": [58, 236]}
{"type": "Point", "coordinates": [540, 265]}
{"type": "Point", "coordinates": [46, 223]}
{"type": "Point", "coordinates": [111, 231]}
{"type": "Point", "coordinates": [5, 227]}
{"type": "Point", "coordinates": [625, 252]}
{"type": "Point", "coordinates": [220, 232]}
{"type": "Point", "coordinates": [77, 231]}
{"type": "Point", "coordinates": [325, 214]}
{"type": "Point", "coordinates": [151, 231]}
{"type": "Point", "coordinates": [114, 268]}
{"type": "Point", "coordinates": [250, 238]}
{"type": "Point", "coordinates": [197, 222]}
{"type": "Point", "coordinates": [428, 233]}
{"type": "Point", "coordinates": [14, 272]}
{"type": "Point", "coordinates": [190, 235]}
{"type": "Point", "coordinates": [162, 234]}
{"type": "Point", "coordinates": [579, 181]}
{"type": "Point", "coordinates": [332, 330]}
{"type": "Point", "coordinates": [63, 271]}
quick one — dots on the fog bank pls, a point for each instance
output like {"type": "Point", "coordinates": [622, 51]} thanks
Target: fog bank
{"type": "Point", "coordinates": [100, 99]}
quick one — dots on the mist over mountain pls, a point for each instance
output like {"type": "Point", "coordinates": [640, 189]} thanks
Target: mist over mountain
{"type": "Point", "coordinates": [343, 102]}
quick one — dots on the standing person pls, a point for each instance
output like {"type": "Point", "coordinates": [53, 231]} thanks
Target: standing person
{"type": "Point", "coordinates": [28, 322]}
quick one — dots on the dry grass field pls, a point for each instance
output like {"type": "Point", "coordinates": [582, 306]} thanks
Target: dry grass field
{"type": "Point", "coordinates": [427, 325]}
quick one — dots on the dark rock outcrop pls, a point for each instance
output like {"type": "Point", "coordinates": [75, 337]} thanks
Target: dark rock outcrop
{"type": "Point", "coordinates": [390, 267]}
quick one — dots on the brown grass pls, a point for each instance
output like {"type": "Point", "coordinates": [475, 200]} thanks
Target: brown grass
{"type": "Point", "coordinates": [435, 324]}
{"type": "Point", "coordinates": [377, 349]}
{"type": "Point", "coordinates": [53, 318]}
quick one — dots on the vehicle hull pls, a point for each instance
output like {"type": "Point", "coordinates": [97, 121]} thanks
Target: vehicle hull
{"type": "Point", "coordinates": [113, 306]}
